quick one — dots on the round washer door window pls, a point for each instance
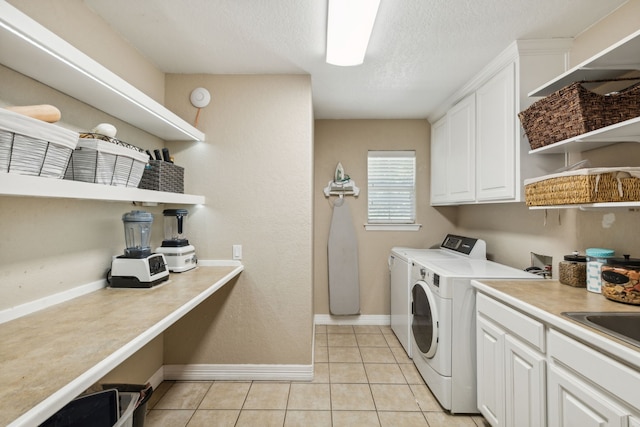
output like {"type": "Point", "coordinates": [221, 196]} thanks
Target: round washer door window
{"type": "Point", "coordinates": [424, 324]}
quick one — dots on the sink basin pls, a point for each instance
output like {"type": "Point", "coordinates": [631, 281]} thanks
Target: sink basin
{"type": "Point", "coordinates": [623, 325]}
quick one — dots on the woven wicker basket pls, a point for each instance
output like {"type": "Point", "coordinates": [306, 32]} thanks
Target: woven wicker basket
{"type": "Point", "coordinates": [575, 110]}
{"type": "Point", "coordinates": [163, 176]}
{"type": "Point", "coordinates": [599, 185]}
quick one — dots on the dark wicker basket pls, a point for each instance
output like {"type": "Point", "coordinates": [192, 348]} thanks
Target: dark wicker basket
{"type": "Point", "coordinates": [575, 110]}
{"type": "Point", "coordinates": [163, 176]}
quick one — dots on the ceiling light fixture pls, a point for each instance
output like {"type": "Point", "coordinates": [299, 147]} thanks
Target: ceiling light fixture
{"type": "Point", "coordinates": [349, 26]}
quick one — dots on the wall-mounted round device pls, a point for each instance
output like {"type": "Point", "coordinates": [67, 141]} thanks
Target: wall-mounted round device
{"type": "Point", "coordinates": [200, 97]}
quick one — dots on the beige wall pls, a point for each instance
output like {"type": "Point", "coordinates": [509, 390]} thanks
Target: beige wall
{"type": "Point", "coordinates": [347, 141]}
{"type": "Point", "coordinates": [256, 171]}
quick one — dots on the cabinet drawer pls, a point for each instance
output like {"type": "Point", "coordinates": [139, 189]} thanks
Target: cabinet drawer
{"type": "Point", "coordinates": [612, 376]}
{"type": "Point", "coordinates": [527, 329]}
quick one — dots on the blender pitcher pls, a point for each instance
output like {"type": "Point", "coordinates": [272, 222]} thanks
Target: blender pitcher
{"type": "Point", "coordinates": [179, 253]}
{"type": "Point", "coordinates": [174, 228]}
{"type": "Point", "coordinates": [137, 234]}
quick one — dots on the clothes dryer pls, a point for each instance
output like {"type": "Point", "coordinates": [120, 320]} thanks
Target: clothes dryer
{"type": "Point", "coordinates": [443, 325]}
{"type": "Point", "coordinates": [452, 247]}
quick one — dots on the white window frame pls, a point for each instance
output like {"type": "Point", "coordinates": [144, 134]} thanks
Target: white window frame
{"type": "Point", "coordinates": [392, 224]}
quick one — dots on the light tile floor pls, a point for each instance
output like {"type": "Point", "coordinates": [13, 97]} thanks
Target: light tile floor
{"type": "Point", "coordinates": [363, 377]}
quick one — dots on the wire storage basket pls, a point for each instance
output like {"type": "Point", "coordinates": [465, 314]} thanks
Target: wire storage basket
{"type": "Point", "coordinates": [575, 110]}
{"type": "Point", "coordinates": [101, 159]}
{"type": "Point", "coordinates": [30, 146]}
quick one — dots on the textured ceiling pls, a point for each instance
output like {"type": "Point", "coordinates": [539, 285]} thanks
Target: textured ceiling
{"type": "Point", "coordinates": [420, 53]}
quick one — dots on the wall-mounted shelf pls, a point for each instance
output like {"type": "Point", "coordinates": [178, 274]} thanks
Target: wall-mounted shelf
{"type": "Point", "coordinates": [617, 60]}
{"type": "Point", "coordinates": [612, 62]}
{"type": "Point", "coordinates": [347, 188]}
{"type": "Point", "coordinates": [31, 49]}
{"type": "Point", "coordinates": [589, 206]}
{"type": "Point", "coordinates": [33, 186]}
{"type": "Point", "coordinates": [627, 131]}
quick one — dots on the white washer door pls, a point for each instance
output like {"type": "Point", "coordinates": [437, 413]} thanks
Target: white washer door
{"type": "Point", "coordinates": [424, 322]}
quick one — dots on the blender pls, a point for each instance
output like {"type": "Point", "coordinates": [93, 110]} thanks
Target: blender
{"type": "Point", "coordinates": [180, 255]}
{"type": "Point", "coordinates": [138, 267]}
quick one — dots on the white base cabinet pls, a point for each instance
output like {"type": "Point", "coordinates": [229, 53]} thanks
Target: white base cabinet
{"type": "Point", "coordinates": [491, 371]}
{"type": "Point", "coordinates": [573, 403]}
{"type": "Point", "coordinates": [525, 385]}
{"type": "Point", "coordinates": [587, 388]}
{"type": "Point", "coordinates": [511, 366]}
{"type": "Point", "coordinates": [531, 374]}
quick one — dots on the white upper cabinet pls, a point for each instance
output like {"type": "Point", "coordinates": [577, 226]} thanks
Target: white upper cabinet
{"type": "Point", "coordinates": [439, 156]}
{"type": "Point", "coordinates": [496, 133]}
{"type": "Point", "coordinates": [462, 144]}
{"type": "Point", "coordinates": [453, 145]}
{"type": "Point", "coordinates": [499, 163]}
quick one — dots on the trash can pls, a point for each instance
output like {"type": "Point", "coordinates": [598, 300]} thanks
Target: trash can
{"type": "Point", "coordinates": [143, 392]}
{"type": "Point", "coordinates": [100, 409]}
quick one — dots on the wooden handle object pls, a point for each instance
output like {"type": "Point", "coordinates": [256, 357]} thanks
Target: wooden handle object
{"type": "Point", "coordinates": [44, 112]}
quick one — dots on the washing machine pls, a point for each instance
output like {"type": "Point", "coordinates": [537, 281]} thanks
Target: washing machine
{"type": "Point", "coordinates": [443, 325]}
{"type": "Point", "coordinates": [452, 247]}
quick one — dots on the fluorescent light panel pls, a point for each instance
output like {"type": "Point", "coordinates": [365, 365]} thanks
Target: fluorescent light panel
{"type": "Point", "coordinates": [349, 28]}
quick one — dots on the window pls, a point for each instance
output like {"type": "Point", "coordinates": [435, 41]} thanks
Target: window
{"type": "Point", "coordinates": [391, 187]}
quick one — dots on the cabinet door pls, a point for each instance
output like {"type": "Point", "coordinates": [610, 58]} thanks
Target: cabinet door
{"type": "Point", "coordinates": [496, 137]}
{"type": "Point", "coordinates": [490, 341]}
{"type": "Point", "coordinates": [525, 387]}
{"type": "Point", "coordinates": [439, 156]}
{"type": "Point", "coordinates": [461, 166]}
{"type": "Point", "coordinates": [574, 403]}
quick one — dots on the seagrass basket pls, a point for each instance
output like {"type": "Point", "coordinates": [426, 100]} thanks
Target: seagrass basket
{"type": "Point", "coordinates": [575, 110]}
{"type": "Point", "coordinates": [595, 185]}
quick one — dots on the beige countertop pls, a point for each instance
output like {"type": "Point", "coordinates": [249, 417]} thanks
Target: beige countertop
{"type": "Point", "coordinates": [547, 299]}
{"type": "Point", "coordinates": [49, 357]}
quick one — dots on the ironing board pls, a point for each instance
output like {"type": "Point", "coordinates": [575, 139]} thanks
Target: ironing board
{"type": "Point", "coordinates": [344, 284]}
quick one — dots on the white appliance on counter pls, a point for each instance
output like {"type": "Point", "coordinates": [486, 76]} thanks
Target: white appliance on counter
{"type": "Point", "coordinates": [400, 269]}
{"type": "Point", "coordinates": [443, 321]}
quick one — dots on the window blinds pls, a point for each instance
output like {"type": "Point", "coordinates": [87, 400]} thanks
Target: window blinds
{"type": "Point", "coordinates": [391, 187]}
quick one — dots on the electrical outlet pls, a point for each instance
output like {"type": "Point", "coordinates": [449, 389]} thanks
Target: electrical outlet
{"type": "Point", "coordinates": [237, 252]}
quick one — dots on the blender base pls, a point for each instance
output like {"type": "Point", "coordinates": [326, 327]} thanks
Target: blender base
{"type": "Point", "coordinates": [180, 258]}
{"type": "Point", "coordinates": [138, 272]}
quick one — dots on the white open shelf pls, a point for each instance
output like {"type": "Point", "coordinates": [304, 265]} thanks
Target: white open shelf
{"type": "Point", "coordinates": [34, 186]}
{"type": "Point", "coordinates": [612, 62]}
{"type": "Point", "coordinates": [587, 206]}
{"type": "Point", "coordinates": [31, 49]}
{"type": "Point", "coordinates": [627, 131]}
{"type": "Point", "coordinates": [617, 60]}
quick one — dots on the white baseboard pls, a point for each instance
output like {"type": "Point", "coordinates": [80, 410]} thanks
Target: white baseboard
{"type": "Point", "coordinates": [157, 378]}
{"type": "Point", "coordinates": [361, 319]}
{"type": "Point", "coordinates": [197, 372]}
